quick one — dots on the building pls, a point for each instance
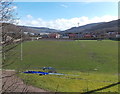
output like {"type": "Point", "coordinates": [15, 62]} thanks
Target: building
{"type": "Point", "coordinates": [72, 35]}
{"type": "Point", "coordinates": [54, 35]}
{"type": "Point", "coordinates": [88, 36]}
{"type": "Point", "coordinates": [65, 37]}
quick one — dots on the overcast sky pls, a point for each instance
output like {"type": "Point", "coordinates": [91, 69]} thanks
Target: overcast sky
{"type": "Point", "coordinates": [64, 15]}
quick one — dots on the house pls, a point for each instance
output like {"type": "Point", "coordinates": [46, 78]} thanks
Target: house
{"type": "Point", "coordinates": [72, 35]}
{"type": "Point", "coordinates": [44, 33]}
{"type": "Point", "coordinates": [39, 38]}
{"type": "Point", "coordinates": [44, 36]}
{"type": "Point", "coordinates": [88, 36]}
{"type": "Point", "coordinates": [65, 37]}
{"type": "Point", "coordinates": [54, 35]}
{"type": "Point", "coordinates": [79, 35]}
{"type": "Point", "coordinates": [58, 36]}
{"type": "Point", "coordinates": [26, 33]}
{"type": "Point", "coordinates": [32, 34]}
{"type": "Point", "coordinates": [118, 36]}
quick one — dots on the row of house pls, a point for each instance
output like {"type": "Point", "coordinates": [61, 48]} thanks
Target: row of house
{"type": "Point", "coordinates": [88, 35]}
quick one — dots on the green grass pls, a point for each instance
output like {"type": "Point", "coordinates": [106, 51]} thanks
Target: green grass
{"type": "Point", "coordinates": [82, 82]}
{"type": "Point", "coordinates": [70, 57]}
{"type": "Point", "coordinates": [81, 55]}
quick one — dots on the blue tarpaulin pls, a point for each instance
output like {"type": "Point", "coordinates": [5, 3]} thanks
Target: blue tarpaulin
{"type": "Point", "coordinates": [42, 73]}
{"type": "Point", "coordinates": [36, 72]}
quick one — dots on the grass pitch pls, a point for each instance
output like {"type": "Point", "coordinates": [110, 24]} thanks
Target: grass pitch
{"type": "Point", "coordinates": [80, 55]}
{"type": "Point", "coordinates": [95, 63]}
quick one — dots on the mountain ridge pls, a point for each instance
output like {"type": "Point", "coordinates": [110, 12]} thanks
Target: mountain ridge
{"type": "Point", "coordinates": [95, 27]}
{"type": "Point", "coordinates": [92, 27]}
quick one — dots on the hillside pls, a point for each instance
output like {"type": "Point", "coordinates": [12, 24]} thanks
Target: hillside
{"type": "Point", "coordinates": [81, 28]}
{"type": "Point", "coordinates": [95, 27]}
{"type": "Point", "coordinates": [37, 29]}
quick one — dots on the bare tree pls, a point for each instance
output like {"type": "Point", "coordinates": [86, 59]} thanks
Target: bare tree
{"type": "Point", "coordinates": [9, 32]}
{"type": "Point", "coordinates": [10, 39]}
{"type": "Point", "coordinates": [7, 11]}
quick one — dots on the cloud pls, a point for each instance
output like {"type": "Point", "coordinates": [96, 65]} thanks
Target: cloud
{"type": "Point", "coordinates": [29, 16]}
{"type": "Point", "coordinates": [14, 7]}
{"type": "Point", "coordinates": [63, 24]}
{"type": "Point", "coordinates": [65, 6]}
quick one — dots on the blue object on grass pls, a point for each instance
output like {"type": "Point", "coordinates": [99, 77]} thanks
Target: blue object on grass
{"type": "Point", "coordinates": [42, 73]}
{"type": "Point", "coordinates": [56, 74]}
{"type": "Point", "coordinates": [48, 68]}
{"type": "Point", "coordinates": [36, 72]}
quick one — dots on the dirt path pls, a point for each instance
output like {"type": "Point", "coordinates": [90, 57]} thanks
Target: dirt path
{"type": "Point", "coordinates": [11, 83]}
